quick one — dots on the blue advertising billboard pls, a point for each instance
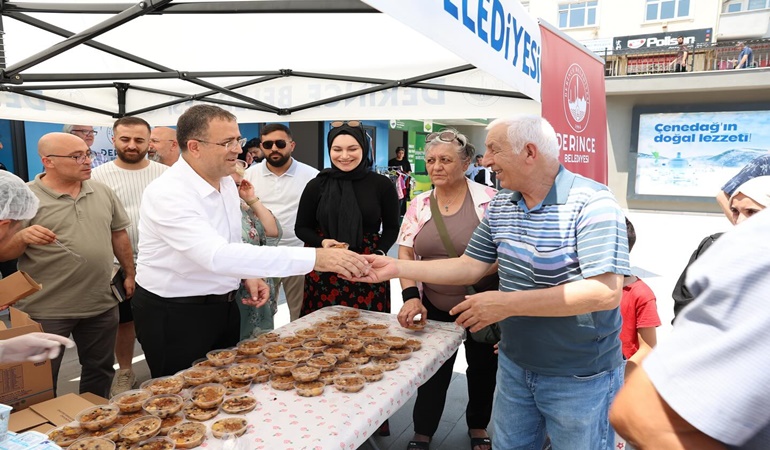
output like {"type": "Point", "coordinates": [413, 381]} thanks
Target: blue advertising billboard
{"type": "Point", "coordinates": [693, 153]}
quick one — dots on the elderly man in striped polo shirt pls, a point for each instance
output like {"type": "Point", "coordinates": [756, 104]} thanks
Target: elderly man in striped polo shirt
{"type": "Point", "coordinates": [560, 241]}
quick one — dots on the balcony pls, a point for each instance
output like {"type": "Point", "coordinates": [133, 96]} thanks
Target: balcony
{"type": "Point", "coordinates": [722, 56]}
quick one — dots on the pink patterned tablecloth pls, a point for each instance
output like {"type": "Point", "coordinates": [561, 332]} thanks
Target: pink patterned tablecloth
{"type": "Point", "coordinates": [336, 420]}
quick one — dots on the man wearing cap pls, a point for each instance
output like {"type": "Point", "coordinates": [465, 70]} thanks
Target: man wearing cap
{"type": "Point", "coordinates": [279, 181]}
{"type": "Point", "coordinates": [705, 386]}
{"type": "Point", "coordinates": [17, 203]}
{"type": "Point", "coordinates": [191, 257]}
{"type": "Point", "coordinates": [68, 247]}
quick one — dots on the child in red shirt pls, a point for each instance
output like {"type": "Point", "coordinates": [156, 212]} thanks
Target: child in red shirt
{"type": "Point", "coordinates": [639, 311]}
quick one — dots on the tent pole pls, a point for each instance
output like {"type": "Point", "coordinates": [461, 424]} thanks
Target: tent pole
{"type": "Point", "coordinates": [129, 14]}
{"type": "Point", "coordinates": [192, 78]}
{"type": "Point", "coordinates": [29, 20]}
{"type": "Point", "coordinates": [265, 7]}
{"type": "Point", "coordinates": [23, 91]}
{"type": "Point", "coordinates": [122, 89]}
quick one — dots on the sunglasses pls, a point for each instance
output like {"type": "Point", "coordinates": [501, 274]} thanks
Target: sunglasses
{"type": "Point", "coordinates": [280, 143]}
{"type": "Point", "coordinates": [447, 136]}
{"type": "Point", "coordinates": [350, 123]}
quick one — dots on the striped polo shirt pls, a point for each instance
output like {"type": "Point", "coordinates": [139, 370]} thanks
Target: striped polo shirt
{"type": "Point", "coordinates": [578, 231]}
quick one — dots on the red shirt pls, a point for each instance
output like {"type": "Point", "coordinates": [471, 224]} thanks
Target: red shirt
{"type": "Point", "coordinates": [639, 310]}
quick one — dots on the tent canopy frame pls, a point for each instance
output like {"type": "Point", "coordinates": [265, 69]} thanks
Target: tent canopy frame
{"type": "Point", "coordinates": [15, 79]}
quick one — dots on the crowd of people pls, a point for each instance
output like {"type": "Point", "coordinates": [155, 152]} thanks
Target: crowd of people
{"type": "Point", "coordinates": [201, 228]}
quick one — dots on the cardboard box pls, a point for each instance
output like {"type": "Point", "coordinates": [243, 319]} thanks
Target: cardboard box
{"type": "Point", "coordinates": [95, 399]}
{"type": "Point", "coordinates": [27, 383]}
{"type": "Point", "coordinates": [62, 410]}
{"type": "Point", "coordinates": [26, 419]}
{"type": "Point", "coordinates": [51, 413]}
{"type": "Point", "coordinates": [16, 286]}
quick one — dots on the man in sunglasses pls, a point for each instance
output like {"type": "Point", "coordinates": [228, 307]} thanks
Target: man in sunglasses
{"type": "Point", "coordinates": [191, 257]}
{"type": "Point", "coordinates": [561, 245]}
{"type": "Point", "coordinates": [88, 134]}
{"type": "Point", "coordinates": [279, 181]}
{"type": "Point", "coordinates": [68, 247]}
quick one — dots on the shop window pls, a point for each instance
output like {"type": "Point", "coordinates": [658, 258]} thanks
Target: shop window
{"type": "Point", "coordinates": [581, 14]}
{"type": "Point", "coordinates": [666, 9]}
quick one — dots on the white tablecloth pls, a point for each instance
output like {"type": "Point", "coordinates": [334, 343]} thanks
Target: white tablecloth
{"type": "Point", "coordinates": [336, 420]}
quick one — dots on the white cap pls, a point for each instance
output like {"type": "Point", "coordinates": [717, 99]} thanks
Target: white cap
{"type": "Point", "coordinates": [757, 189]}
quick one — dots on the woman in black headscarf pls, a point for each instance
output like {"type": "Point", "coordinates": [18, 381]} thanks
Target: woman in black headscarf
{"type": "Point", "coordinates": [347, 205]}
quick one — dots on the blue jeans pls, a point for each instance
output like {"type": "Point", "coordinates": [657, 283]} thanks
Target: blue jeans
{"type": "Point", "coordinates": [572, 411]}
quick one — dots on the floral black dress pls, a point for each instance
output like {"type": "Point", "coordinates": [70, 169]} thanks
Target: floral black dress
{"type": "Point", "coordinates": [377, 200]}
{"type": "Point", "coordinates": [326, 289]}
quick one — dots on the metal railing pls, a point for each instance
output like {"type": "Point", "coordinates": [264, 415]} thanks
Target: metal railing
{"type": "Point", "coordinates": [721, 56]}
{"type": "Point", "coordinates": [726, 57]}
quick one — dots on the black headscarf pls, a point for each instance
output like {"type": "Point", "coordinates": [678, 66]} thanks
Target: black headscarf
{"type": "Point", "coordinates": [338, 213]}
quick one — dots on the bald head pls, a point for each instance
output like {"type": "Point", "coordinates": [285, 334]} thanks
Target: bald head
{"type": "Point", "coordinates": [164, 147]}
{"type": "Point", "coordinates": [60, 144]}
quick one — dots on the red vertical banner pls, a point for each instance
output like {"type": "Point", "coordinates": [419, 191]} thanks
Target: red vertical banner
{"type": "Point", "coordinates": [574, 102]}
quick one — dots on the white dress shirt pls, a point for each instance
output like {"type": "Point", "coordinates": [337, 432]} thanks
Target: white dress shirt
{"type": "Point", "coordinates": [190, 239]}
{"type": "Point", "coordinates": [281, 194]}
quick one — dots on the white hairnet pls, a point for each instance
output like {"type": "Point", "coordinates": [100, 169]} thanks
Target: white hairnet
{"type": "Point", "coordinates": [757, 189]}
{"type": "Point", "coordinates": [17, 202]}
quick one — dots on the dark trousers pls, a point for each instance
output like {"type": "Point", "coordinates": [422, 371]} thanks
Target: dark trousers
{"type": "Point", "coordinates": [174, 335]}
{"type": "Point", "coordinates": [481, 373]}
{"type": "Point", "coordinates": [95, 340]}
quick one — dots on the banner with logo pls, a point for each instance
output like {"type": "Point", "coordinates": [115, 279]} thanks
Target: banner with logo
{"type": "Point", "coordinates": [573, 102]}
{"type": "Point", "coordinates": [660, 41]}
{"type": "Point", "coordinates": [497, 36]}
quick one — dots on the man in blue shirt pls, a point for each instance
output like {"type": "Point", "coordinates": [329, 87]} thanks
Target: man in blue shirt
{"type": "Point", "coordinates": [560, 241]}
{"type": "Point", "coordinates": [745, 58]}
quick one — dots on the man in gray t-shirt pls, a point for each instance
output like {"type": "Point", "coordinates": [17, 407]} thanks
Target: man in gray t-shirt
{"type": "Point", "coordinates": [705, 387]}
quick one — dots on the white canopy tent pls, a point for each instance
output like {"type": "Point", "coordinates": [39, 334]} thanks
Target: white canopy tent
{"type": "Point", "coordinates": [271, 60]}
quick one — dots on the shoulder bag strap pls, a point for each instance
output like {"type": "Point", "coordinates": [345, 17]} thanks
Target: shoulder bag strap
{"type": "Point", "coordinates": [443, 234]}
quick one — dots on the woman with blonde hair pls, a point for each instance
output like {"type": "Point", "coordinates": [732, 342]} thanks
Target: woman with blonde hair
{"type": "Point", "coordinates": [438, 225]}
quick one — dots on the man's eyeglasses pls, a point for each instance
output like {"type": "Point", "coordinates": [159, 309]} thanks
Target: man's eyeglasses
{"type": "Point", "coordinates": [240, 142]}
{"type": "Point", "coordinates": [447, 136]}
{"type": "Point", "coordinates": [280, 143]}
{"type": "Point", "coordinates": [86, 132]}
{"type": "Point", "coordinates": [350, 123]}
{"type": "Point", "coordinates": [80, 159]}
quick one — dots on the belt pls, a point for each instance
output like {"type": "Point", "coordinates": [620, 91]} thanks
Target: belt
{"type": "Point", "coordinates": [193, 300]}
